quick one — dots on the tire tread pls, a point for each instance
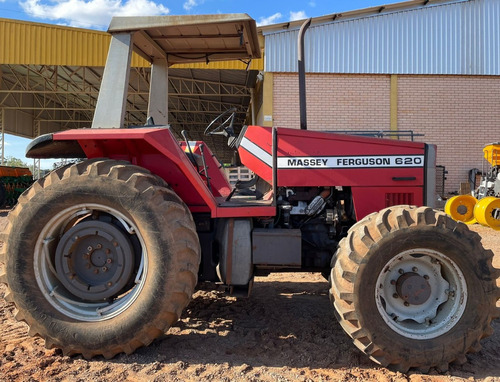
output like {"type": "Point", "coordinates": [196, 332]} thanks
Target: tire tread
{"type": "Point", "coordinates": [351, 254]}
{"type": "Point", "coordinates": [187, 260]}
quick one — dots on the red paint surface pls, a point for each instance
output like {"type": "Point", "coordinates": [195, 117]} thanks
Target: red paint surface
{"type": "Point", "coordinates": [157, 150]}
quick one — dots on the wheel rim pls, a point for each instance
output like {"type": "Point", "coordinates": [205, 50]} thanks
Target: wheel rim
{"type": "Point", "coordinates": [487, 212]}
{"type": "Point", "coordinates": [90, 262]}
{"type": "Point", "coordinates": [461, 208]}
{"type": "Point", "coordinates": [421, 294]}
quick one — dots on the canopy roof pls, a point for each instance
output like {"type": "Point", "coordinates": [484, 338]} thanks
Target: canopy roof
{"type": "Point", "coordinates": [191, 38]}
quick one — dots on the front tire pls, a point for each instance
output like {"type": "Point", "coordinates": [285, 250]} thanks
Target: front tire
{"type": "Point", "coordinates": [101, 258]}
{"type": "Point", "coordinates": [414, 289]}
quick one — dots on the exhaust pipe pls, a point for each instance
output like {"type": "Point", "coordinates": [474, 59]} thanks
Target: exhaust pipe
{"type": "Point", "coordinates": [302, 74]}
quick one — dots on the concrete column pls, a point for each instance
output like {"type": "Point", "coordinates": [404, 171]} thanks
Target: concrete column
{"type": "Point", "coordinates": [158, 92]}
{"type": "Point", "coordinates": [112, 99]}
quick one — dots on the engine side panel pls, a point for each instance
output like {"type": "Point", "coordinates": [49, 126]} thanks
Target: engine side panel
{"type": "Point", "coordinates": [380, 171]}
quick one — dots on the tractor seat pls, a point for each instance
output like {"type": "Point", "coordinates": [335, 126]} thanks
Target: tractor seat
{"type": "Point", "coordinates": [242, 184]}
{"type": "Point", "coordinates": [243, 188]}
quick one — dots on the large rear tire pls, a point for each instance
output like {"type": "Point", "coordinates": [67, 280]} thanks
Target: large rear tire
{"type": "Point", "coordinates": [414, 289]}
{"type": "Point", "coordinates": [101, 258]}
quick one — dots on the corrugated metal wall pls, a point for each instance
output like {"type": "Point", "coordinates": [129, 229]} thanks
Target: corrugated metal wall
{"type": "Point", "coordinates": [26, 43]}
{"type": "Point", "coordinates": [461, 37]}
{"type": "Point", "coordinates": [41, 44]}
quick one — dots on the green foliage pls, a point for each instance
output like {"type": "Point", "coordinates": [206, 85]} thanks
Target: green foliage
{"type": "Point", "coordinates": [14, 162]}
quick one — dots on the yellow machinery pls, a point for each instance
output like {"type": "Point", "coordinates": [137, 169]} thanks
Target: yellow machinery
{"type": "Point", "coordinates": [461, 208]}
{"type": "Point", "coordinates": [487, 212]}
{"type": "Point", "coordinates": [492, 154]}
{"type": "Point", "coordinates": [467, 209]}
{"type": "Point", "coordinates": [490, 181]}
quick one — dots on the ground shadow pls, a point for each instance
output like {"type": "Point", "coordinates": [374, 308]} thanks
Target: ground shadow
{"type": "Point", "coordinates": [283, 324]}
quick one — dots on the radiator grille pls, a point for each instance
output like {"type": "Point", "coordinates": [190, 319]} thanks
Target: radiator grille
{"type": "Point", "coordinates": [396, 198]}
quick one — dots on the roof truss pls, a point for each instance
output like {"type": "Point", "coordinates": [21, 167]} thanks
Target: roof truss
{"type": "Point", "coordinates": [38, 99]}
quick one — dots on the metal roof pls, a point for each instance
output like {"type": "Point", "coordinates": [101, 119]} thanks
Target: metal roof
{"type": "Point", "coordinates": [50, 78]}
{"type": "Point", "coordinates": [29, 43]}
{"type": "Point", "coordinates": [355, 14]}
{"type": "Point", "coordinates": [191, 38]}
{"type": "Point", "coordinates": [413, 37]}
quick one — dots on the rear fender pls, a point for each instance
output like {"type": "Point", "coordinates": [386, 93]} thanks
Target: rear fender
{"type": "Point", "coordinates": [155, 149]}
{"type": "Point", "coordinates": [45, 146]}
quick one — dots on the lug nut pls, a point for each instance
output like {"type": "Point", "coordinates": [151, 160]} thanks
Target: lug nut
{"type": "Point", "coordinates": [96, 271]}
{"type": "Point", "coordinates": [401, 271]}
{"type": "Point", "coordinates": [99, 246]}
{"type": "Point", "coordinates": [115, 243]}
{"type": "Point", "coordinates": [89, 248]}
{"type": "Point", "coordinates": [104, 269]}
{"type": "Point", "coordinates": [107, 251]}
{"type": "Point", "coordinates": [109, 261]}
{"type": "Point", "coordinates": [426, 277]}
{"type": "Point", "coordinates": [414, 269]}
{"type": "Point", "coordinates": [393, 282]}
{"type": "Point", "coordinates": [406, 303]}
{"type": "Point", "coordinates": [395, 295]}
{"type": "Point", "coordinates": [86, 255]}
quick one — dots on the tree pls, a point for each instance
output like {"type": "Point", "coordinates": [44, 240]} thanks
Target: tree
{"type": "Point", "coordinates": [14, 162]}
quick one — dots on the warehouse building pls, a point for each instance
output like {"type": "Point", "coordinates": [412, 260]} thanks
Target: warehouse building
{"type": "Point", "coordinates": [427, 67]}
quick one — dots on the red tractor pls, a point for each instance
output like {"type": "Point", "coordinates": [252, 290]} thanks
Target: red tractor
{"type": "Point", "coordinates": [102, 256]}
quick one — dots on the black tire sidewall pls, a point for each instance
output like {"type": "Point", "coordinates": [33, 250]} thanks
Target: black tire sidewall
{"type": "Point", "coordinates": [119, 195]}
{"type": "Point", "coordinates": [460, 337]}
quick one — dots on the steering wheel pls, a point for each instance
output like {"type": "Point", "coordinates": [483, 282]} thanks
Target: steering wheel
{"type": "Point", "coordinates": [222, 124]}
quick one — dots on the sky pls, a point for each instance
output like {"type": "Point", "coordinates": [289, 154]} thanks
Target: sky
{"type": "Point", "coordinates": [96, 14]}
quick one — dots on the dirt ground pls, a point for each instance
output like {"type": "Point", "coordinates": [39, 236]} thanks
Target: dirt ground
{"type": "Point", "coordinates": [285, 331]}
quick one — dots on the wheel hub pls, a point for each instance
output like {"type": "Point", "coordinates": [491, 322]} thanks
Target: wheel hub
{"type": "Point", "coordinates": [94, 260]}
{"type": "Point", "coordinates": [413, 288]}
{"type": "Point", "coordinates": [421, 293]}
{"type": "Point", "coordinates": [98, 258]}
